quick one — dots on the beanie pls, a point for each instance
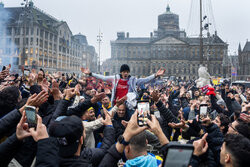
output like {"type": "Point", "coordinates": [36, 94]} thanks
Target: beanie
{"type": "Point", "coordinates": [124, 67]}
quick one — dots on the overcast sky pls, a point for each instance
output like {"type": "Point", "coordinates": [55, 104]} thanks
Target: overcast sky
{"type": "Point", "coordinates": [139, 18]}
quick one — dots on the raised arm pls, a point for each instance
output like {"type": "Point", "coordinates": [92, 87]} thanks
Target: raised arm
{"type": "Point", "coordinates": [166, 113]}
{"type": "Point", "coordinates": [108, 141]}
{"type": "Point", "coordinates": [141, 81]}
{"type": "Point", "coordinates": [114, 154]}
{"type": "Point", "coordinates": [98, 76]}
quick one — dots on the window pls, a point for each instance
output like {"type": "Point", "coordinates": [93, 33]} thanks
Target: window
{"type": "Point", "coordinates": [26, 41]}
{"type": "Point", "coordinates": [27, 31]}
{"type": "Point", "coordinates": [31, 41]}
{"type": "Point", "coordinates": [32, 31]}
{"type": "Point", "coordinates": [41, 33]}
{"type": "Point", "coordinates": [17, 31]}
{"type": "Point", "coordinates": [41, 43]}
{"type": "Point", "coordinates": [55, 38]}
{"type": "Point", "coordinates": [17, 41]}
{"type": "Point", "coordinates": [46, 45]}
{"type": "Point", "coordinates": [51, 37]}
{"type": "Point", "coordinates": [8, 31]}
{"type": "Point", "coordinates": [46, 35]}
{"type": "Point", "coordinates": [50, 45]}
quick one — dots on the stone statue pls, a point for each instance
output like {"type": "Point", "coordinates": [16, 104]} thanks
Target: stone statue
{"type": "Point", "coordinates": [204, 77]}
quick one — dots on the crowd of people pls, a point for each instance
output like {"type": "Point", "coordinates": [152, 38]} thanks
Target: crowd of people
{"type": "Point", "coordinates": [92, 120]}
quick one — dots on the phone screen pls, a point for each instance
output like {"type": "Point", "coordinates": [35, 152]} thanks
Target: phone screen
{"type": "Point", "coordinates": [26, 72]}
{"type": "Point", "coordinates": [178, 157]}
{"type": "Point", "coordinates": [203, 110]}
{"type": "Point", "coordinates": [31, 116]}
{"type": "Point", "coordinates": [143, 113]}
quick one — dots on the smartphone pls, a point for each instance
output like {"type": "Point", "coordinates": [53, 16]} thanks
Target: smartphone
{"type": "Point", "coordinates": [143, 108]}
{"type": "Point", "coordinates": [30, 112]}
{"type": "Point", "coordinates": [178, 155]}
{"type": "Point", "coordinates": [203, 110]}
{"type": "Point", "coordinates": [26, 72]}
{"type": "Point", "coordinates": [4, 68]}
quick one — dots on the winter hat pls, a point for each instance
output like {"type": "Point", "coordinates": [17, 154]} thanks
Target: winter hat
{"type": "Point", "coordinates": [221, 102]}
{"type": "Point", "coordinates": [68, 131]}
{"type": "Point", "coordinates": [124, 67]}
{"type": "Point", "coordinates": [210, 91]}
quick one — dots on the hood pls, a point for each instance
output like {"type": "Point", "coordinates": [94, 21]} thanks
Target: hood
{"type": "Point", "coordinates": [142, 161]}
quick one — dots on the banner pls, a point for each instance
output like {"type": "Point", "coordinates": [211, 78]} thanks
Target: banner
{"type": "Point", "coordinates": [234, 71]}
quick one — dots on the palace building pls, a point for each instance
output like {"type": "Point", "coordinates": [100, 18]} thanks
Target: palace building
{"type": "Point", "coordinates": [168, 47]}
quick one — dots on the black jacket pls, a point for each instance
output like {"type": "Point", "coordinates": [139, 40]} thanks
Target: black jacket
{"type": "Point", "coordinates": [47, 153]}
{"type": "Point", "coordinates": [212, 156]}
{"type": "Point", "coordinates": [94, 155]}
{"type": "Point", "coordinates": [119, 128]}
{"type": "Point", "coordinates": [215, 140]}
{"type": "Point", "coordinates": [47, 112]}
{"type": "Point", "coordinates": [75, 161]}
{"type": "Point", "coordinates": [113, 156]}
{"type": "Point", "coordinates": [167, 117]}
{"type": "Point", "coordinates": [91, 156]}
{"type": "Point", "coordinates": [166, 113]}
{"type": "Point", "coordinates": [8, 149]}
{"type": "Point", "coordinates": [9, 121]}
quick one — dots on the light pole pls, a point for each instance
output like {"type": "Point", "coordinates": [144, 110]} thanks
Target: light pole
{"type": "Point", "coordinates": [201, 39]}
{"type": "Point", "coordinates": [99, 40]}
{"type": "Point", "coordinates": [25, 5]}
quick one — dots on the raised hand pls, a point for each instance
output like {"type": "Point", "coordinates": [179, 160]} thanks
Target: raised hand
{"type": "Point", "coordinates": [40, 132]}
{"type": "Point", "coordinates": [154, 127]}
{"type": "Point", "coordinates": [107, 120]}
{"type": "Point", "coordinates": [36, 100]}
{"type": "Point", "coordinates": [160, 72]}
{"type": "Point", "coordinates": [45, 85]}
{"type": "Point", "coordinates": [69, 93]}
{"type": "Point", "coordinates": [107, 91]}
{"type": "Point", "coordinates": [133, 128]}
{"type": "Point", "coordinates": [155, 96]}
{"type": "Point", "coordinates": [206, 121]}
{"type": "Point", "coordinates": [22, 129]}
{"type": "Point", "coordinates": [181, 125]}
{"type": "Point", "coordinates": [121, 101]}
{"type": "Point", "coordinates": [200, 146]}
{"type": "Point", "coordinates": [55, 91]}
{"type": "Point", "coordinates": [77, 89]}
{"type": "Point", "coordinates": [124, 123]}
{"type": "Point", "coordinates": [4, 74]}
{"type": "Point", "coordinates": [85, 71]}
{"type": "Point", "coordinates": [32, 79]}
{"type": "Point", "coordinates": [98, 97]}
